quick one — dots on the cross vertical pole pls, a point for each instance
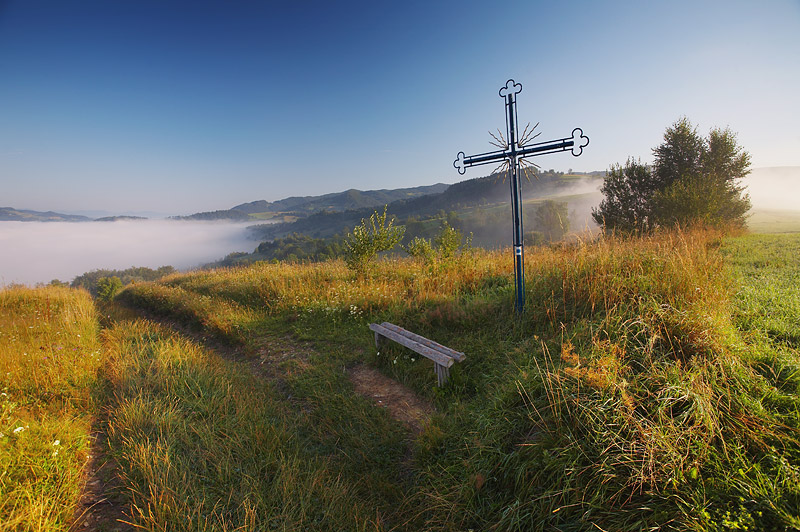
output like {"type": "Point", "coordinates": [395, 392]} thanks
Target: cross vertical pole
{"type": "Point", "coordinates": [516, 203]}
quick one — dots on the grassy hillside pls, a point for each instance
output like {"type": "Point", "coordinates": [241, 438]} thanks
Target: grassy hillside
{"type": "Point", "coordinates": [650, 384]}
{"type": "Point", "coordinates": [634, 393]}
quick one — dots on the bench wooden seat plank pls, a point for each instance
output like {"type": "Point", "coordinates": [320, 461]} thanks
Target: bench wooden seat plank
{"type": "Point", "coordinates": [443, 357]}
{"type": "Point", "coordinates": [423, 350]}
{"type": "Point", "coordinates": [458, 355]}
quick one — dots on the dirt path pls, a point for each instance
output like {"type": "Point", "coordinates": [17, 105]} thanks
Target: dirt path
{"type": "Point", "coordinates": [401, 403]}
{"type": "Point", "coordinates": [101, 506]}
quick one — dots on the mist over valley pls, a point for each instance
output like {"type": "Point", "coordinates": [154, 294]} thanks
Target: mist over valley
{"type": "Point", "coordinates": [38, 252]}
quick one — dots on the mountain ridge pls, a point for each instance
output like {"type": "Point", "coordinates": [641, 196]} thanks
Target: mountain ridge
{"type": "Point", "coordinates": [10, 214]}
{"type": "Point", "coordinates": [339, 201]}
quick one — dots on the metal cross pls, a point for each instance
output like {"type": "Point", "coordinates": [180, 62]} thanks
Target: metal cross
{"type": "Point", "coordinates": [512, 152]}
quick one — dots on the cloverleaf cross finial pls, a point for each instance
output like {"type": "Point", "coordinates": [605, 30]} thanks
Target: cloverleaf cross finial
{"type": "Point", "coordinates": [579, 140]}
{"type": "Point", "coordinates": [459, 163]}
{"type": "Point", "coordinates": [511, 89]}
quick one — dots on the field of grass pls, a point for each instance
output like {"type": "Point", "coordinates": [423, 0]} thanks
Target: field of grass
{"type": "Point", "coordinates": [49, 360]}
{"type": "Point", "coordinates": [626, 397]}
{"type": "Point", "coordinates": [650, 384]}
{"type": "Point", "coordinates": [774, 221]}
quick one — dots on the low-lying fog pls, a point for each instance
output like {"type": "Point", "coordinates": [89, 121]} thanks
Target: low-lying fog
{"type": "Point", "coordinates": [38, 252]}
{"type": "Point", "coordinates": [775, 188]}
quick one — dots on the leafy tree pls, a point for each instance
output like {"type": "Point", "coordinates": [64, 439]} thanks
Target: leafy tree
{"type": "Point", "coordinates": [552, 219]}
{"type": "Point", "coordinates": [369, 239]}
{"type": "Point", "coordinates": [681, 154]}
{"type": "Point", "coordinates": [628, 192]}
{"type": "Point", "coordinates": [693, 179]}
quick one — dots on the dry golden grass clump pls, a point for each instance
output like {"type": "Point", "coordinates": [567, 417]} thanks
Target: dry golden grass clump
{"type": "Point", "coordinates": [49, 359]}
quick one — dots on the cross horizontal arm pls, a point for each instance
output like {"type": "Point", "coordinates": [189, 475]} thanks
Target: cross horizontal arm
{"type": "Point", "coordinates": [462, 162]}
{"type": "Point", "coordinates": [575, 143]}
{"type": "Point", "coordinates": [546, 147]}
{"type": "Point", "coordinates": [486, 158]}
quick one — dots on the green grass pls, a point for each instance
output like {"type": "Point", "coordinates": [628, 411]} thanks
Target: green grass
{"type": "Point", "coordinates": [774, 221]}
{"type": "Point", "coordinates": [627, 397]}
{"type": "Point", "coordinates": [49, 359]}
{"type": "Point", "coordinates": [651, 384]}
{"type": "Point", "coordinates": [768, 287]}
{"type": "Point", "coordinates": [204, 445]}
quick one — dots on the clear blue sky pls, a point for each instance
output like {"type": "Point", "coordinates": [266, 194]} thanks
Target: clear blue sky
{"type": "Point", "coordinates": [134, 105]}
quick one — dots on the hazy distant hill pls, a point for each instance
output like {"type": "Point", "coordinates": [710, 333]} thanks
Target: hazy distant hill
{"type": "Point", "coordinates": [9, 214]}
{"type": "Point", "coordinates": [227, 215]}
{"type": "Point", "coordinates": [489, 190]}
{"type": "Point", "coordinates": [119, 218]}
{"type": "Point", "coordinates": [339, 201]}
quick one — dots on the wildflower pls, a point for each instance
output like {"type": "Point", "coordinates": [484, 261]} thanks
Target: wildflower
{"type": "Point", "coordinates": [57, 443]}
{"type": "Point", "coordinates": [18, 430]}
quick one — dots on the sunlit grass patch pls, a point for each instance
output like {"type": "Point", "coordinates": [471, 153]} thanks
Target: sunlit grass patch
{"type": "Point", "coordinates": [49, 359]}
{"type": "Point", "coordinates": [202, 444]}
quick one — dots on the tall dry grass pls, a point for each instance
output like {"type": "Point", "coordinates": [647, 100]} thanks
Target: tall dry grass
{"type": "Point", "coordinates": [49, 359]}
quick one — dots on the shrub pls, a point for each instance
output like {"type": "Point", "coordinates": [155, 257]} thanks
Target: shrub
{"type": "Point", "coordinates": [421, 248]}
{"type": "Point", "coordinates": [369, 239]}
{"type": "Point", "coordinates": [108, 287]}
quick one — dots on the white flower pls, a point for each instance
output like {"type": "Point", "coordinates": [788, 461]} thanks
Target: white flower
{"type": "Point", "coordinates": [57, 442]}
{"type": "Point", "coordinates": [18, 430]}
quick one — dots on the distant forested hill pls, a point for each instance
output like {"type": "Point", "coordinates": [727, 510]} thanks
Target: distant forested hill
{"type": "Point", "coordinates": [119, 218]}
{"type": "Point", "coordinates": [489, 190]}
{"type": "Point", "coordinates": [340, 201]}
{"type": "Point", "coordinates": [227, 215]}
{"type": "Point", "coordinates": [9, 214]}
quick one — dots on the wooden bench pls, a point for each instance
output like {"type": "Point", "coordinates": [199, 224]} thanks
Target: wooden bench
{"type": "Point", "coordinates": [443, 357]}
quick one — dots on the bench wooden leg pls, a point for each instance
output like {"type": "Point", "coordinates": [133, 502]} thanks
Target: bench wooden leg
{"type": "Point", "coordinates": [442, 374]}
{"type": "Point", "coordinates": [379, 340]}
